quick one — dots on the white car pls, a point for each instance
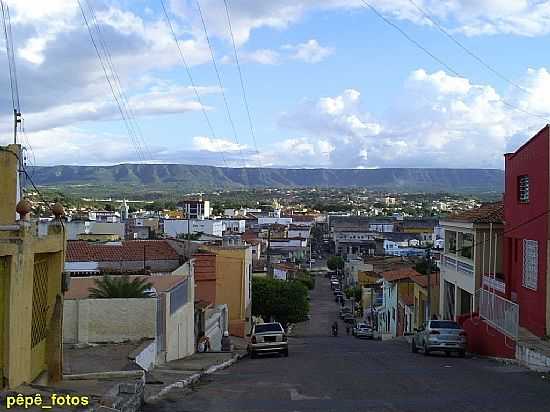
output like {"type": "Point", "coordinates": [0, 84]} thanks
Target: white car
{"type": "Point", "coordinates": [363, 330]}
{"type": "Point", "coordinates": [268, 338]}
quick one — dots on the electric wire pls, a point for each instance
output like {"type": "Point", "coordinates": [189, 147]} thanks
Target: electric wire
{"type": "Point", "coordinates": [118, 84]}
{"type": "Point", "coordinates": [440, 61]}
{"type": "Point", "coordinates": [241, 78]}
{"type": "Point", "coordinates": [190, 76]}
{"type": "Point", "coordinates": [111, 86]}
{"type": "Point", "coordinates": [220, 83]}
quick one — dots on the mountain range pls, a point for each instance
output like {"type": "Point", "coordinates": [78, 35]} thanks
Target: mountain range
{"type": "Point", "coordinates": [203, 178]}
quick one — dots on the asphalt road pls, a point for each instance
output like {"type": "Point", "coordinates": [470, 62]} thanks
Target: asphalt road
{"type": "Point", "coordinates": [325, 373]}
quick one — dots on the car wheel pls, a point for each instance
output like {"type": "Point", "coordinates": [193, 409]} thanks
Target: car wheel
{"type": "Point", "coordinates": [426, 350]}
{"type": "Point", "coordinates": [462, 353]}
{"type": "Point", "coordinates": [414, 349]}
{"type": "Point", "coordinates": [447, 353]}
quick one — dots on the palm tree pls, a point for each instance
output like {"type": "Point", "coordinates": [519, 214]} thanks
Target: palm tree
{"type": "Point", "coordinates": [109, 287]}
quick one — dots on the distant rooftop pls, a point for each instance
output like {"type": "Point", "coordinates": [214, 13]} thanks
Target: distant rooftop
{"type": "Point", "coordinates": [126, 250]}
{"type": "Point", "coordinates": [487, 213]}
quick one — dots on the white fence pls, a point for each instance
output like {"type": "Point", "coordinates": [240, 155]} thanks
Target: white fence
{"type": "Point", "coordinates": [500, 313]}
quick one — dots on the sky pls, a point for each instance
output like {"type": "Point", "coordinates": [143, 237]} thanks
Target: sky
{"type": "Point", "coordinates": [328, 83]}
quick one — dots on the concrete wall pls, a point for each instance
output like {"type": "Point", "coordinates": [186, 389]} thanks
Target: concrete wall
{"type": "Point", "coordinates": [108, 320]}
{"type": "Point", "coordinates": [180, 330]}
{"type": "Point", "coordinates": [135, 265]}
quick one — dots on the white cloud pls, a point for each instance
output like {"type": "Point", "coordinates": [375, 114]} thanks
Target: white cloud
{"type": "Point", "coordinates": [309, 52]}
{"type": "Point", "coordinates": [441, 120]}
{"type": "Point", "coordinates": [216, 145]}
{"type": "Point", "coordinates": [260, 56]}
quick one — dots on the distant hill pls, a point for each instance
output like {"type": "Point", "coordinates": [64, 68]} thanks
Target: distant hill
{"type": "Point", "coordinates": [190, 177]}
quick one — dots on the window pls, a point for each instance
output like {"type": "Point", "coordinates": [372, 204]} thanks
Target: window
{"type": "Point", "coordinates": [523, 189]}
{"type": "Point", "coordinates": [530, 263]}
{"type": "Point", "coordinates": [466, 243]}
{"type": "Point", "coordinates": [268, 327]}
{"type": "Point", "coordinates": [450, 241]}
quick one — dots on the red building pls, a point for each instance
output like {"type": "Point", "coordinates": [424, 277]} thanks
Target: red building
{"type": "Point", "coordinates": [526, 231]}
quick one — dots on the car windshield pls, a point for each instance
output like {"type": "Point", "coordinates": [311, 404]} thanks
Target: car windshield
{"type": "Point", "coordinates": [443, 324]}
{"type": "Point", "coordinates": [268, 327]}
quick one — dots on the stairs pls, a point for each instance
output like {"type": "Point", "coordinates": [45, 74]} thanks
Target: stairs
{"type": "Point", "coordinates": [532, 351]}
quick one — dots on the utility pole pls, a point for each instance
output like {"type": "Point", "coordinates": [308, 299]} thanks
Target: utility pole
{"type": "Point", "coordinates": [309, 240]}
{"type": "Point", "coordinates": [269, 271]}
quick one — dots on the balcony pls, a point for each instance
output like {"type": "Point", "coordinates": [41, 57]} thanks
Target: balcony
{"type": "Point", "coordinates": [458, 266]}
{"type": "Point", "coordinates": [500, 313]}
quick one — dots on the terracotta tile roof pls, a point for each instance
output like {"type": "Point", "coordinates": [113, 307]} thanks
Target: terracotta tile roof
{"type": "Point", "coordinates": [399, 274]}
{"type": "Point", "coordinates": [422, 280]}
{"type": "Point", "coordinates": [128, 250]}
{"type": "Point", "coordinates": [79, 287]}
{"type": "Point", "coordinates": [487, 213]}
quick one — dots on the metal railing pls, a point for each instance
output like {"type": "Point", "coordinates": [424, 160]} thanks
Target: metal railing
{"type": "Point", "coordinates": [500, 313]}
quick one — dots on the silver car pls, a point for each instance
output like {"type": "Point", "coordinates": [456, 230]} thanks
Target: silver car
{"type": "Point", "coordinates": [440, 335]}
{"type": "Point", "coordinates": [363, 330]}
{"type": "Point", "coordinates": [268, 338]}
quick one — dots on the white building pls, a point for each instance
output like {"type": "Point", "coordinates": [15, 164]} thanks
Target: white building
{"type": "Point", "coordinates": [299, 231]}
{"type": "Point", "coordinates": [233, 225]}
{"type": "Point", "coordinates": [274, 220]}
{"type": "Point", "coordinates": [196, 209]}
{"type": "Point", "coordinates": [175, 227]}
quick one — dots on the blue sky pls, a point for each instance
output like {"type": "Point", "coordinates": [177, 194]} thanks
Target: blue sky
{"type": "Point", "coordinates": [329, 83]}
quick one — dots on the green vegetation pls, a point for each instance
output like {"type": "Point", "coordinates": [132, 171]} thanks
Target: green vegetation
{"type": "Point", "coordinates": [284, 301]}
{"type": "Point", "coordinates": [355, 292]}
{"type": "Point", "coordinates": [109, 287]}
{"type": "Point", "coordinates": [306, 278]}
{"type": "Point", "coordinates": [335, 262]}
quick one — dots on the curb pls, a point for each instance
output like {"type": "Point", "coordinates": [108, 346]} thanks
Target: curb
{"type": "Point", "coordinates": [196, 377]}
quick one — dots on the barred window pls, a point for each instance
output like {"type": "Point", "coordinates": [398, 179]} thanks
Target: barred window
{"type": "Point", "coordinates": [530, 263]}
{"type": "Point", "coordinates": [523, 189]}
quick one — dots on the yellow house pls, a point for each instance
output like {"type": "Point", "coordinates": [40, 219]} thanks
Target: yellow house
{"type": "Point", "coordinates": [31, 297]}
{"type": "Point", "coordinates": [234, 285]}
{"type": "Point", "coordinates": [421, 297]}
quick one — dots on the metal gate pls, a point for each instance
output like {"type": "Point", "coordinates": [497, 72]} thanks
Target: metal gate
{"type": "Point", "coordinates": [161, 323]}
{"type": "Point", "coordinates": [39, 328]}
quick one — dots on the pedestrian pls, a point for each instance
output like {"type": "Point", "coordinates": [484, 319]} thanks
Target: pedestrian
{"type": "Point", "coordinates": [203, 344]}
{"type": "Point", "coordinates": [226, 342]}
{"type": "Point", "coordinates": [347, 330]}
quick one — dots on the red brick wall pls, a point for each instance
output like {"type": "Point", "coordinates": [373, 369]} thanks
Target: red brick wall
{"type": "Point", "coordinates": [205, 277]}
{"type": "Point", "coordinates": [527, 221]}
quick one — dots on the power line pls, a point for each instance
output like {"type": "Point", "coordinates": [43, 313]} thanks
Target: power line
{"type": "Point", "coordinates": [190, 75]}
{"type": "Point", "coordinates": [112, 87]}
{"type": "Point", "coordinates": [468, 51]}
{"type": "Point", "coordinates": [440, 61]}
{"type": "Point", "coordinates": [241, 78]}
{"type": "Point", "coordinates": [220, 83]}
{"type": "Point", "coordinates": [118, 84]}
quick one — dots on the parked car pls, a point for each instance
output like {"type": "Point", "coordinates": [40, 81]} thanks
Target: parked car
{"type": "Point", "coordinates": [363, 330]}
{"type": "Point", "coordinates": [440, 335]}
{"type": "Point", "coordinates": [268, 338]}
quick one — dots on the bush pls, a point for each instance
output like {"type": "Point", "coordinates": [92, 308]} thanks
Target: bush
{"type": "Point", "coordinates": [335, 262]}
{"type": "Point", "coordinates": [307, 279]}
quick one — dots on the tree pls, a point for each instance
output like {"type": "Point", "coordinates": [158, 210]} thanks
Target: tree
{"type": "Point", "coordinates": [423, 266]}
{"type": "Point", "coordinates": [306, 278]}
{"type": "Point", "coordinates": [335, 262]}
{"type": "Point", "coordinates": [284, 301]}
{"type": "Point", "coordinates": [355, 292]}
{"type": "Point", "coordinates": [109, 287]}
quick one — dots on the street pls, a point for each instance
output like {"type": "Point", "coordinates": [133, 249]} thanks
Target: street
{"type": "Point", "coordinates": [325, 373]}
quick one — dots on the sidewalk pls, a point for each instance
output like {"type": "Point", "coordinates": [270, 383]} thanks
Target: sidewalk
{"type": "Point", "coordinates": [181, 373]}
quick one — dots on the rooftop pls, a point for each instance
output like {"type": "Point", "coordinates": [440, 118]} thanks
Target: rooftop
{"type": "Point", "coordinates": [400, 274]}
{"type": "Point", "coordinates": [127, 250]}
{"type": "Point", "coordinates": [487, 213]}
